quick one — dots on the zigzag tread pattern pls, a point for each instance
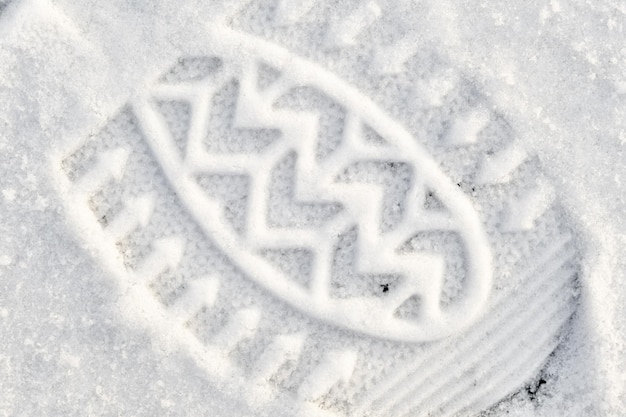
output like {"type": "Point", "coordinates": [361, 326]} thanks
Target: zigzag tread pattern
{"type": "Point", "coordinates": [272, 134]}
{"type": "Point", "coordinates": [329, 193]}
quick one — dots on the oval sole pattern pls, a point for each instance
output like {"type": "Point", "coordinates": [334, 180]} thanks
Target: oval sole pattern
{"type": "Point", "coordinates": [329, 222]}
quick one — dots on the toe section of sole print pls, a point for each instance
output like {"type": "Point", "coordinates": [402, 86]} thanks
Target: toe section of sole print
{"type": "Point", "coordinates": [328, 222]}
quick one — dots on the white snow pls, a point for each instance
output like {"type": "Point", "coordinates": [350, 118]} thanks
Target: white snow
{"type": "Point", "coordinates": [554, 70]}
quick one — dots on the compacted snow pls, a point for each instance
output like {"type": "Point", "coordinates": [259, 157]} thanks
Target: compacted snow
{"type": "Point", "coordinates": [316, 207]}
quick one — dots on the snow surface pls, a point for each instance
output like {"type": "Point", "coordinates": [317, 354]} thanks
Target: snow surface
{"type": "Point", "coordinates": [555, 69]}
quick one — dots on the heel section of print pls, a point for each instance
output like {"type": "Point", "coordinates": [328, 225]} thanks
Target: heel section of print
{"type": "Point", "coordinates": [371, 244]}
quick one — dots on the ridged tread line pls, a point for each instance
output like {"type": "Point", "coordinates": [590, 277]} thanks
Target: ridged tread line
{"type": "Point", "coordinates": [438, 366]}
{"type": "Point", "coordinates": [548, 255]}
{"type": "Point", "coordinates": [500, 388]}
{"type": "Point", "coordinates": [472, 341]}
{"type": "Point", "coordinates": [506, 345]}
{"type": "Point", "coordinates": [495, 347]}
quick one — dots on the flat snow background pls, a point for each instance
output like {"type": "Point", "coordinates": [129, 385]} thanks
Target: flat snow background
{"type": "Point", "coordinates": [556, 69]}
